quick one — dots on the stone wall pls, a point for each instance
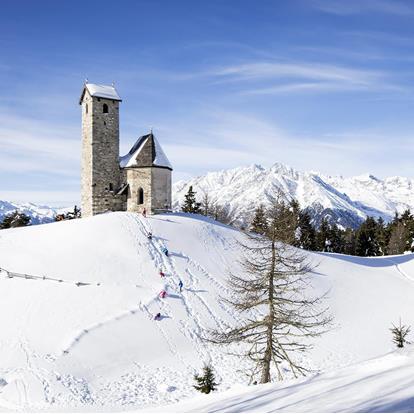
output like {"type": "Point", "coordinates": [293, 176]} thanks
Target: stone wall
{"type": "Point", "coordinates": [138, 178]}
{"type": "Point", "coordinates": [100, 156]}
{"type": "Point", "coordinates": [156, 184]}
{"type": "Point", "coordinates": [160, 189]}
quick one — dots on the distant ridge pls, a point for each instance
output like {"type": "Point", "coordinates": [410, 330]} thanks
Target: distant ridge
{"type": "Point", "coordinates": [38, 214]}
{"type": "Point", "coordinates": [345, 201]}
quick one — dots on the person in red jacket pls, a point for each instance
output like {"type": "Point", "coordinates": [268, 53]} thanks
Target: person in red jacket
{"type": "Point", "coordinates": [163, 294]}
{"type": "Point", "coordinates": [162, 274]}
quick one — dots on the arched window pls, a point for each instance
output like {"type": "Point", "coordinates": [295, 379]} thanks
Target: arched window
{"type": "Point", "coordinates": [140, 196]}
{"type": "Point", "coordinates": [105, 108]}
{"type": "Point", "coordinates": [86, 108]}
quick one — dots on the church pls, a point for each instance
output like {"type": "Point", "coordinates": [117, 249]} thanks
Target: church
{"type": "Point", "coordinates": [139, 180]}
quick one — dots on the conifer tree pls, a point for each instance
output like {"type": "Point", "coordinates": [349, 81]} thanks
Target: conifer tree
{"type": "Point", "coordinates": [348, 240]}
{"type": "Point", "coordinates": [259, 223]}
{"type": "Point", "coordinates": [322, 239]}
{"type": "Point", "coordinates": [366, 239]}
{"type": "Point", "coordinates": [399, 334]}
{"type": "Point", "coordinates": [273, 279]}
{"type": "Point", "coordinates": [206, 382]}
{"type": "Point", "coordinates": [307, 233]}
{"type": "Point", "coordinates": [381, 236]}
{"type": "Point", "coordinates": [335, 239]}
{"type": "Point", "coordinates": [190, 204]}
{"type": "Point", "coordinates": [15, 219]}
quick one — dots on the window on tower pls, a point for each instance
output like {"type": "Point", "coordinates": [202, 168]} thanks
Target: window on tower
{"type": "Point", "coordinates": [140, 196]}
{"type": "Point", "coordinates": [86, 108]}
{"type": "Point", "coordinates": [105, 108]}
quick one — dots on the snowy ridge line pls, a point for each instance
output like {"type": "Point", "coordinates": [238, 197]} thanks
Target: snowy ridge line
{"type": "Point", "coordinates": [12, 275]}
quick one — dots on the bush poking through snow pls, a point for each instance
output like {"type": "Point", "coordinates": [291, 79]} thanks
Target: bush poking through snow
{"type": "Point", "coordinates": [206, 383]}
{"type": "Point", "coordinates": [399, 334]}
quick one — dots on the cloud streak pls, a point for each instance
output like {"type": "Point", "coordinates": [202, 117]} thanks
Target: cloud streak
{"type": "Point", "coordinates": [302, 77]}
{"type": "Point", "coordinates": [350, 7]}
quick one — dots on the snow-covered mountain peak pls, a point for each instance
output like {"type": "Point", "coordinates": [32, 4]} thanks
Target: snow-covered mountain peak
{"type": "Point", "coordinates": [38, 214]}
{"type": "Point", "coordinates": [345, 200]}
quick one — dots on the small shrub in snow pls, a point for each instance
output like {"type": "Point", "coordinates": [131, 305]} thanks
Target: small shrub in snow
{"type": "Point", "coordinates": [206, 382]}
{"type": "Point", "coordinates": [399, 334]}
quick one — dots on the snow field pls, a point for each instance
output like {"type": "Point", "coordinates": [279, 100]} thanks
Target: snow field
{"type": "Point", "coordinates": [97, 346]}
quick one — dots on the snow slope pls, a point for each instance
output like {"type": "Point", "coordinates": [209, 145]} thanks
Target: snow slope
{"type": "Point", "coordinates": [346, 201]}
{"type": "Point", "coordinates": [383, 384]}
{"type": "Point", "coordinates": [82, 334]}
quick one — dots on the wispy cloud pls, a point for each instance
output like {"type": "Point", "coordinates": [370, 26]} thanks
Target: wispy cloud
{"type": "Point", "coordinates": [348, 7]}
{"type": "Point", "coordinates": [28, 146]}
{"type": "Point", "coordinates": [221, 139]}
{"type": "Point", "coordinates": [302, 77]}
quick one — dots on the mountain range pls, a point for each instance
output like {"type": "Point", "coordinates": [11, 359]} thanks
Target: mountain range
{"type": "Point", "coordinates": [38, 214]}
{"type": "Point", "coordinates": [345, 201]}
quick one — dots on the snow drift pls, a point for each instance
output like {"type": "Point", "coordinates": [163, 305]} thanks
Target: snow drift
{"type": "Point", "coordinates": [81, 333]}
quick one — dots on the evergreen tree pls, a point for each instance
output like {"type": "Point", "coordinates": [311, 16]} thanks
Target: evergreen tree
{"type": "Point", "coordinates": [335, 239]}
{"type": "Point", "coordinates": [206, 383]}
{"type": "Point", "coordinates": [399, 334]}
{"type": "Point", "coordinates": [348, 240]}
{"type": "Point", "coordinates": [190, 204]}
{"type": "Point", "coordinates": [307, 233]}
{"type": "Point", "coordinates": [407, 220]}
{"type": "Point", "coordinates": [382, 236]}
{"type": "Point", "coordinates": [259, 223]}
{"type": "Point", "coordinates": [366, 239]}
{"type": "Point", "coordinates": [15, 219]}
{"type": "Point", "coordinates": [322, 238]}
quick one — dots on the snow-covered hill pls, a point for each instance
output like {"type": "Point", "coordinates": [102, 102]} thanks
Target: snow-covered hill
{"type": "Point", "coordinates": [38, 214]}
{"type": "Point", "coordinates": [346, 201]}
{"type": "Point", "coordinates": [81, 335]}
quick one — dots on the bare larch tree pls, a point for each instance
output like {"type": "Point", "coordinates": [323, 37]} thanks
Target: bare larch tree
{"type": "Point", "coordinates": [270, 293]}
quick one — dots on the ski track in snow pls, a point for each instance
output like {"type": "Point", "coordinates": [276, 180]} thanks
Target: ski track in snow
{"type": "Point", "coordinates": [190, 314]}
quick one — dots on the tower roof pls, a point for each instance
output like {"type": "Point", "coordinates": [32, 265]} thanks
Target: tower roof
{"type": "Point", "coordinates": [146, 152]}
{"type": "Point", "coordinates": [100, 91]}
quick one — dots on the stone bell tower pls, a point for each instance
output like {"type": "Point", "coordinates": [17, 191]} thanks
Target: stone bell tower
{"type": "Point", "coordinates": [100, 149]}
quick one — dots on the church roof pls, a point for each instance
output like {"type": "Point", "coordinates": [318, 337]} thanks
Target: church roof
{"type": "Point", "coordinates": [100, 91]}
{"type": "Point", "coordinates": [146, 152]}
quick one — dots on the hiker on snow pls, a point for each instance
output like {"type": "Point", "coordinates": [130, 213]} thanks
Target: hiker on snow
{"type": "Point", "coordinates": [157, 316]}
{"type": "Point", "coordinates": [144, 212]}
{"type": "Point", "coordinates": [149, 236]}
{"type": "Point", "coordinates": [163, 294]}
{"type": "Point", "coordinates": [165, 251]}
{"type": "Point", "coordinates": [162, 274]}
{"type": "Point", "coordinates": [180, 285]}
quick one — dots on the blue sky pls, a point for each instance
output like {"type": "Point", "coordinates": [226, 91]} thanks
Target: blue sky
{"type": "Point", "coordinates": [322, 85]}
